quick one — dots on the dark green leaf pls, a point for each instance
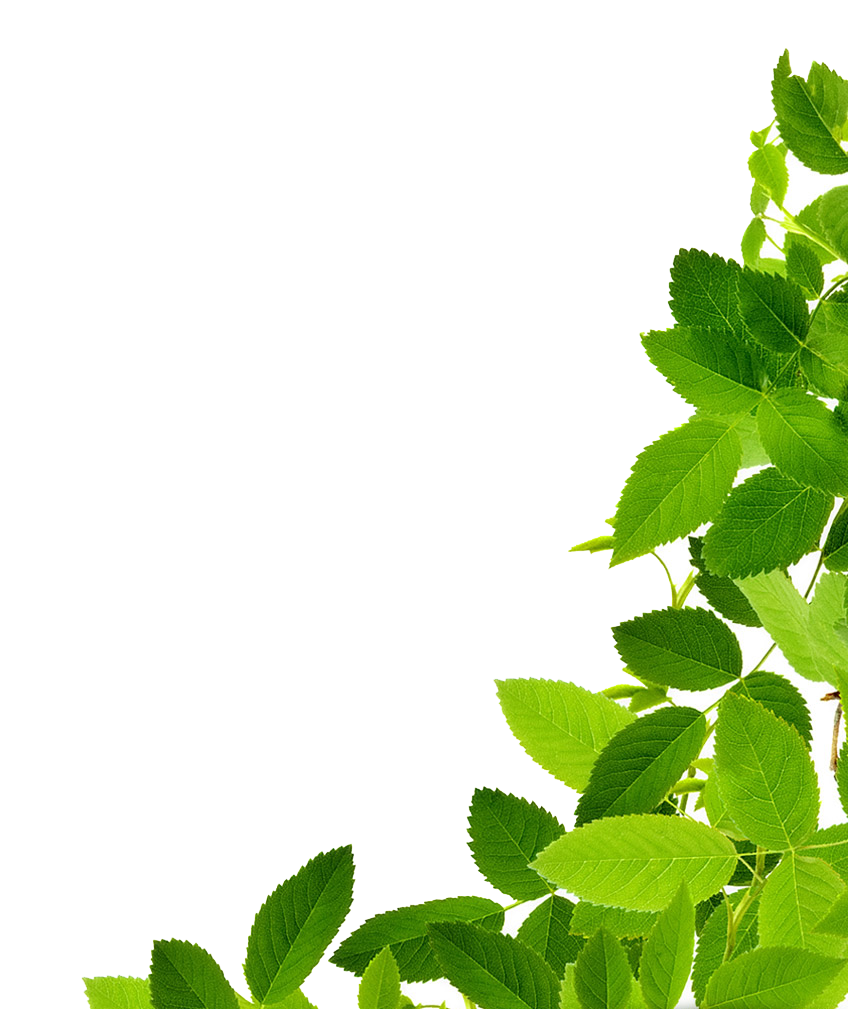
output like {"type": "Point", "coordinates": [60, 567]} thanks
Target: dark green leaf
{"type": "Point", "coordinates": [803, 268]}
{"type": "Point", "coordinates": [641, 763]}
{"type": "Point", "coordinates": [713, 940]}
{"type": "Point", "coordinates": [805, 119]}
{"type": "Point", "coordinates": [804, 440]}
{"type": "Point", "coordinates": [774, 309]}
{"type": "Point", "coordinates": [405, 932]}
{"type": "Point", "coordinates": [495, 971]}
{"type": "Point", "coordinates": [767, 522]}
{"type": "Point", "coordinates": [703, 292]}
{"type": "Point", "coordinates": [507, 833]}
{"type": "Point", "coordinates": [768, 167]}
{"type": "Point", "coordinates": [780, 697]}
{"type": "Point", "coordinates": [602, 975]}
{"type": "Point", "coordinates": [297, 923]}
{"type": "Point", "coordinates": [713, 372]}
{"type": "Point", "coordinates": [835, 551]}
{"type": "Point", "coordinates": [184, 976]}
{"type": "Point", "coordinates": [547, 930]}
{"type": "Point", "coordinates": [677, 483]}
{"type": "Point", "coordinates": [720, 592]}
{"type": "Point", "coordinates": [824, 357]}
{"type": "Point", "coordinates": [690, 648]}
{"type": "Point", "coordinates": [705, 909]}
{"type": "Point", "coordinates": [743, 874]}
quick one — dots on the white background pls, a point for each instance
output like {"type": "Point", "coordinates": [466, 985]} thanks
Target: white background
{"type": "Point", "coordinates": [321, 349]}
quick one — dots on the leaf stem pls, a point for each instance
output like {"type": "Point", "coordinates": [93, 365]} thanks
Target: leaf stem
{"type": "Point", "coordinates": [685, 589]}
{"type": "Point", "coordinates": [733, 918]}
{"type": "Point", "coordinates": [670, 581]}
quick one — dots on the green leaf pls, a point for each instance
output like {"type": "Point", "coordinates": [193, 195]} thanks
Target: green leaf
{"type": "Point", "coordinates": [495, 971]}
{"type": "Point", "coordinates": [753, 453]}
{"type": "Point", "coordinates": [811, 236]}
{"type": "Point", "coordinates": [713, 941]}
{"type": "Point", "coordinates": [703, 292]}
{"type": "Point", "coordinates": [640, 763]}
{"type": "Point", "coordinates": [676, 484]}
{"type": "Point", "coordinates": [716, 810]}
{"type": "Point", "coordinates": [752, 242]}
{"type": "Point", "coordinates": [774, 309]}
{"type": "Point", "coordinates": [507, 833]}
{"type": "Point", "coordinates": [835, 922]}
{"type": "Point", "coordinates": [405, 932]}
{"type": "Point", "coordinates": [647, 697]}
{"type": "Point", "coordinates": [804, 117]}
{"type": "Point", "coordinates": [824, 357]}
{"type": "Point", "coordinates": [380, 984]}
{"type": "Point", "coordinates": [830, 844]}
{"type": "Point", "coordinates": [638, 861]}
{"type": "Point", "coordinates": [667, 956]}
{"type": "Point", "coordinates": [297, 1000]}
{"type": "Point", "coordinates": [835, 550]}
{"type": "Point", "coordinates": [690, 648]}
{"type": "Point", "coordinates": [833, 216]}
{"type": "Point", "coordinates": [768, 167]}
{"type": "Point", "coordinates": [804, 440]}
{"type": "Point", "coordinates": [547, 930]}
{"type": "Point", "coordinates": [827, 628]}
{"type": "Point", "coordinates": [767, 522]}
{"type": "Point", "coordinates": [743, 874]}
{"type": "Point", "coordinates": [720, 592]}
{"type": "Point", "coordinates": [803, 268]}
{"type": "Point", "coordinates": [759, 200]}
{"type": "Point", "coordinates": [765, 775]}
{"type": "Point", "coordinates": [771, 977]}
{"type": "Point", "coordinates": [842, 777]}
{"type": "Point", "coordinates": [563, 727]}
{"type": "Point", "coordinates": [117, 992]}
{"type": "Point", "coordinates": [184, 976]}
{"type": "Point", "coordinates": [618, 921]}
{"type": "Point", "coordinates": [780, 697]}
{"type": "Point", "coordinates": [712, 371]}
{"type": "Point", "coordinates": [795, 897]}
{"type": "Point", "coordinates": [596, 544]}
{"type": "Point", "coordinates": [297, 923]}
{"type": "Point", "coordinates": [602, 975]}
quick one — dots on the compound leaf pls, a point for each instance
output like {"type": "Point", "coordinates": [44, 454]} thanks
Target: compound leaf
{"type": "Point", "coordinates": [602, 975]}
{"type": "Point", "coordinates": [563, 727]}
{"type": "Point", "coordinates": [830, 844]}
{"type": "Point", "coordinates": [184, 976]}
{"type": "Point", "coordinates": [507, 833]}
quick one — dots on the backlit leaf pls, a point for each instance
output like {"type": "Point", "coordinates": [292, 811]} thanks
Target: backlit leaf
{"type": "Point", "coordinates": [768, 167]}
{"type": "Point", "coordinates": [547, 929]}
{"type": "Point", "coordinates": [667, 955]}
{"type": "Point", "coordinates": [118, 992]}
{"type": "Point", "coordinates": [621, 922]}
{"type": "Point", "coordinates": [796, 896]}
{"type": "Point", "coordinates": [833, 216]}
{"type": "Point", "coordinates": [770, 977]}
{"type": "Point", "coordinates": [824, 357]}
{"type": "Point", "coordinates": [602, 975]}
{"type": "Point", "coordinates": [781, 697]}
{"type": "Point", "coordinates": [380, 984]}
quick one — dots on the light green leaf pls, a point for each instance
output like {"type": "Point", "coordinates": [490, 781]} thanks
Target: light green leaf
{"type": "Point", "coordinates": [804, 440]}
{"type": "Point", "coordinates": [835, 551]}
{"type": "Point", "coordinates": [547, 930]}
{"type": "Point", "coordinates": [689, 648]}
{"type": "Point", "coordinates": [780, 697]}
{"type": "Point", "coordinates": [765, 775]}
{"type": "Point", "coordinates": [184, 976]}
{"type": "Point", "coordinates": [809, 233]}
{"type": "Point", "coordinates": [803, 267]}
{"type": "Point", "coordinates": [647, 697]}
{"type": "Point", "coordinates": [676, 484]}
{"type": "Point", "coordinates": [824, 357]}
{"type": "Point", "coordinates": [753, 453]}
{"type": "Point", "coordinates": [842, 776]}
{"type": "Point", "coordinates": [771, 977]}
{"type": "Point", "coordinates": [767, 522]}
{"type": "Point", "coordinates": [602, 975]}
{"type": "Point", "coordinates": [759, 200]}
{"type": "Point", "coordinates": [720, 592]}
{"type": "Point", "coordinates": [774, 309]}
{"type": "Point", "coordinates": [752, 242]}
{"type": "Point", "coordinates": [117, 992]}
{"type": "Point", "coordinates": [835, 921]}
{"type": "Point", "coordinates": [638, 861]}
{"type": "Point", "coordinates": [827, 621]}
{"type": "Point", "coordinates": [710, 370]}
{"type": "Point", "coordinates": [297, 923]}
{"type": "Point", "coordinates": [507, 833]}
{"type": "Point", "coordinates": [563, 727]}
{"type": "Point", "coordinates": [297, 1000]}
{"type": "Point", "coordinates": [703, 292]}
{"type": "Point", "coordinates": [495, 971]}
{"type": "Point", "coordinates": [667, 955]}
{"type": "Point", "coordinates": [768, 167]}
{"type": "Point", "coordinates": [405, 932]}
{"type": "Point", "coordinates": [831, 844]}
{"type": "Point", "coordinates": [380, 984]}
{"type": "Point", "coordinates": [805, 120]}
{"type": "Point", "coordinates": [713, 942]}
{"type": "Point", "coordinates": [833, 216]}
{"type": "Point", "coordinates": [641, 762]}
{"type": "Point", "coordinates": [618, 921]}
{"type": "Point", "coordinates": [716, 809]}
{"type": "Point", "coordinates": [595, 545]}
{"type": "Point", "coordinates": [796, 896]}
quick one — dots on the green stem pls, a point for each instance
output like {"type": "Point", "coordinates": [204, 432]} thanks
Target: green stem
{"type": "Point", "coordinates": [685, 589]}
{"type": "Point", "coordinates": [733, 918]}
{"type": "Point", "coordinates": [668, 575]}
{"type": "Point", "coordinates": [468, 1003]}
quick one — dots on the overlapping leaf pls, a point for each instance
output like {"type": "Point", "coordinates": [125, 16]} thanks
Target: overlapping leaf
{"type": "Point", "coordinates": [495, 971]}
{"type": "Point", "coordinates": [830, 844]}
{"type": "Point", "coordinates": [804, 440]}
{"type": "Point", "coordinates": [563, 727]}
{"type": "Point", "coordinates": [405, 932]}
{"type": "Point", "coordinates": [506, 833]}
{"type": "Point", "coordinates": [835, 921]}
{"type": "Point", "coordinates": [796, 896]}
{"type": "Point", "coordinates": [667, 956]}
{"type": "Point", "coordinates": [602, 975]}
{"type": "Point", "coordinates": [640, 763]}
{"type": "Point", "coordinates": [833, 216]}
{"type": "Point", "coordinates": [380, 984]}
{"type": "Point", "coordinates": [676, 484]}
{"type": "Point", "coordinates": [713, 942]}
{"type": "Point", "coordinates": [770, 977]}
{"type": "Point", "coordinates": [765, 775]}
{"type": "Point", "coordinates": [621, 922]}
{"type": "Point", "coordinates": [638, 861]}
{"type": "Point", "coordinates": [703, 292]}
{"type": "Point", "coordinates": [835, 550]}
{"type": "Point", "coordinates": [768, 521]}
{"type": "Point", "coordinates": [774, 310]}
{"type": "Point", "coordinates": [183, 974]}
{"type": "Point", "coordinates": [780, 696]}
{"type": "Point", "coordinates": [768, 168]}
{"type": "Point", "coordinates": [688, 648]}
{"type": "Point", "coordinates": [803, 267]}
{"type": "Point", "coordinates": [117, 992]}
{"type": "Point", "coordinates": [547, 930]}
{"type": "Point", "coordinates": [297, 923]}
{"type": "Point", "coordinates": [719, 591]}
{"type": "Point", "coordinates": [824, 357]}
